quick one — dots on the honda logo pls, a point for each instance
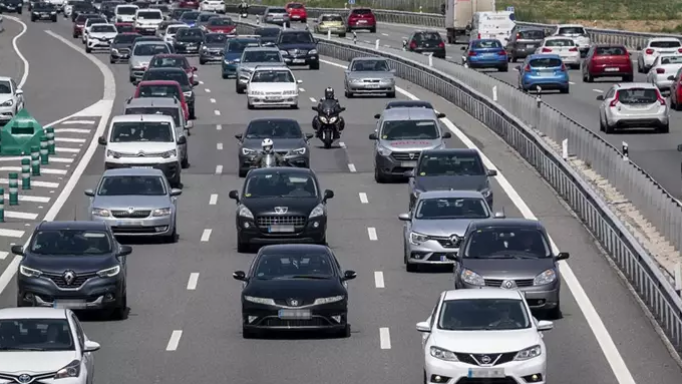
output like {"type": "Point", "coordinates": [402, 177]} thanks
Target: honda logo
{"type": "Point", "coordinates": [293, 302]}
{"type": "Point", "coordinates": [281, 210]}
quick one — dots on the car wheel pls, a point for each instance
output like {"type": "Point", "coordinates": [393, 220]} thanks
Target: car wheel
{"type": "Point", "coordinates": [373, 30]}
{"type": "Point", "coordinates": [315, 65]}
{"type": "Point", "coordinates": [295, 106]}
{"type": "Point", "coordinates": [184, 163]}
{"type": "Point", "coordinates": [513, 58]}
{"type": "Point", "coordinates": [173, 237]}
{"type": "Point", "coordinates": [249, 105]}
{"type": "Point", "coordinates": [121, 310]}
{"type": "Point", "coordinates": [225, 76]}
{"type": "Point", "coordinates": [342, 35]}
{"type": "Point", "coordinates": [601, 125]}
{"type": "Point", "coordinates": [628, 79]}
{"type": "Point", "coordinates": [75, 36]}
{"type": "Point", "coordinates": [410, 267]}
{"type": "Point", "coordinates": [504, 69]}
{"type": "Point", "coordinates": [202, 62]}
{"type": "Point", "coordinates": [112, 60]}
{"type": "Point", "coordinates": [378, 177]}
{"type": "Point", "coordinates": [240, 90]}
{"type": "Point", "coordinates": [88, 50]}
{"type": "Point", "coordinates": [607, 128]}
{"type": "Point", "coordinates": [191, 113]}
{"type": "Point", "coordinates": [589, 78]}
{"type": "Point", "coordinates": [348, 95]}
{"type": "Point", "coordinates": [391, 95]}
{"type": "Point", "coordinates": [132, 79]}
{"type": "Point", "coordinates": [564, 90]}
{"type": "Point", "coordinates": [242, 246]}
{"type": "Point", "coordinates": [555, 313]}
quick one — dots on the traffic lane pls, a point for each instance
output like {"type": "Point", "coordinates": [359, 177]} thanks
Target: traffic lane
{"type": "Point", "coordinates": [12, 66]}
{"type": "Point", "coordinates": [60, 83]}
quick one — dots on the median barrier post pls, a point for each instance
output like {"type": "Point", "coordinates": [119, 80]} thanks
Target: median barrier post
{"type": "Point", "coordinates": [376, 44]}
{"type": "Point", "coordinates": [35, 161]}
{"type": "Point", "coordinates": [564, 149]}
{"type": "Point", "coordinates": [329, 34]}
{"type": "Point", "coordinates": [44, 154]}
{"type": "Point", "coordinates": [355, 38]}
{"type": "Point", "coordinates": [2, 205]}
{"type": "Point", "coordinates": [49, 133]}
{"type": "Point", "coordinates": [678, 278]}
{"type": "Point", "coordinates": [26, 173]}
{"type": "Point", "coordinates": [13, 188]}
{"type": "Point", "coordinates": [431, 59]}
{"type": "Point", "coordinates": [626, 152]}
{"type": "Point", "coordinates": [495, 93]}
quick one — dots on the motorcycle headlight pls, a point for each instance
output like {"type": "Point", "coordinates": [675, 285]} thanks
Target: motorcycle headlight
{"type": "Point", "coordinates": [29, 272]}
{"type": "Point", "coordinates": [245, 212]}
{"type": "Point", "coordinates": [8, 103]}
{"type": "Point", "coordinates": [384, 151]}
{"type": "Point", "coordinates": [260, 300]}
{"type": "Point", "coordinates": [333, 119]}
{"type": "Point", "coordinates": [472, 278]}
{"type": "Point", "coordinates": [298, 151]}
{"type": "Point", "coordinates": [529, 353]}
{"type": "Point", "coordinates": [100, 212]}
{"type": "Point", "coordinates": [324, 120]}
{"type": "Point", "coordinates": [328, 300]}
{"type": "Point", "coordinates": [171, 153]}
{"type": "Point", "coordinates": [71, 370]}
{"type": "Point", "coordinates": [248, 152]}
{"type": "Point", "coordinates": [161, 212]}
{"type": "Point", "coordinates": [442, 354]}
{"type": "Point", "coordinates": [317, 211]}
{"type": "Point", "coordinates": [546, 277]}
{"type": "Point", "coordinates": [113, 154]}
{"type": "Point", "coordinates": [417, 238]}
{"type": "Point", "coordinates": [109, 272]}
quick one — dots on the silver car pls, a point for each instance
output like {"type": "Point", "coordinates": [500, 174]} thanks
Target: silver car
{"type": "Point", "coordinates": [276, 15]}
{"type": "Point", "coordinates": [142, 53]}
{"type": "Point", "coordinates": [633, 105]}
{"type": "Point", "coordinates": [434, 229]}
{"type": "Point", "coordinates": [400, 137]}
{"type": "Point", "coordinates": [253, 57]}
{"type": "Point", "coordinates": [662, 69]}
{"type": "Point", "coordinates": [369, 75]}
{"type": "Point", "coordinates": [136, 202]}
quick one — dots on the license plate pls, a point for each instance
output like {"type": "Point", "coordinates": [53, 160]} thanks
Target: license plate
{"type": "Point", "coordinates": [295, 314]}
{"type": "Point", "coordinates": [611, 69]}
{"type": "Point", "coordinates": [486, 373]}
{"type": "Point", "coordinates": [142, 166]}
{"type": "Point", "coordinates": [45, 16]}
{"type": "Point", "coordinates": [299, 61]}
{"type": "Point", "coordinates": [295, 17]}
{"type": "Point", "coordinates": [408, 164]}
{"type": "Point", "coordinates": [373, 86]}
{"type": "Point", "coordinates": [545, 74]}
{"type": "Point", "coordinates": [530, 46]}
{"type": "Point", "coordinates": [362, 21]}
{"type": "Point", "coordinates": [443, 258]}
{"type": "Point", "coordinates": [69, 304]}
{"type": "Point", "coordinates": [281, 229]}
{"type": "Point", "coordinates": [127, 223]}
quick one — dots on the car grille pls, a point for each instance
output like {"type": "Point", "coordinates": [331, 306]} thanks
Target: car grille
{"type": "Point", "coordinates": [494, 380]}
{"type": "Point", "coordinates": [314, 322]}
{"type": "Point", "coordinates": [519, 283]}
{"type": "Point", "coordinates": [476, 358]}
{"type": "Point", "coordinates": [298, 52]}
{"type": "Point", "coordinates": [447, 243]}
{"type": "Point", "coordinates": [144, 154]}
{"type": "Point", "coordinates": [59, 281]}
{"type": "Point", "coordinates": [439, 256]}
{"type": "Point", "coordinates": [300, 303]}
{"type": "Point", "coordinates": [133, 230]}
{"type": "Point", "coordinates": [123, 51]}
{"type": "Point", "coordinates": [405, 156]}
{"type": "Point", "coordinates": [266, 221]}
{"type": "Point", "coordinates": [121, 214]}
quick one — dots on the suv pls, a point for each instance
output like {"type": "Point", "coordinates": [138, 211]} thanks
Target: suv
{"type": "Point", "coordinates": [9, 6]}
{"type": "Point", "coordinates": [576, 32]}
{"type": "Point", "coordinates": [361, 18]}
{"type": "Point", "coordinates": [164, 106]}
{"type": "Point", "coordinates": [100, 36]}
{"type": "Point", "coordinates": [144, 141]}
{"type": "Point", "coordinates": [298, 48]}
{"type": "Point", "coordinates": [400, 137]}
{"type": "Point", "coordinates": [253, 57]}
{"type": "Point", "coordinates": [147, 21]}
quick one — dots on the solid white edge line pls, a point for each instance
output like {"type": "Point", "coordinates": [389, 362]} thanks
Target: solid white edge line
{"type": "Point", "coordinates": [3, 255]}
{"type": "Point", "coordinates": [372, 233]}
{"type": "Point", "coordinates": [174, 341]}
{"type": "Point", "coordinates": [384, 338]}
{"type": "Point", "coordinates": [379, 279]}
{"type": "Point", "coordinates": [206, 235]}
{"type": "Point", "coordinates": [193, 281]}
{"type": "Point", "coordinates": [15, 45]}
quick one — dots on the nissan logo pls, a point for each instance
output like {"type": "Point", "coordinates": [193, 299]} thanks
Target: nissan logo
{"type": "Point", "coordinates": [485, 359]}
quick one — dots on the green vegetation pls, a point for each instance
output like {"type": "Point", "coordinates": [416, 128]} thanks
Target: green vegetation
{"type": "Point", "coordinates": [400, 5]}
{"type": "Point", "coordinates": [600, 10]}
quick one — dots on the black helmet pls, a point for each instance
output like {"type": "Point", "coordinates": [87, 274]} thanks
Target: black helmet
{"type": "Point", "coordinates": [329, 93]}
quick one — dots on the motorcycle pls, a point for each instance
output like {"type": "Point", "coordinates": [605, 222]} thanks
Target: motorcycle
{"type": "Point", "coordinates": [328, 119]}
{"type": "Point", "coordinates": [269, 161]}
{"type": "Point", "coordinates": [245, 15]}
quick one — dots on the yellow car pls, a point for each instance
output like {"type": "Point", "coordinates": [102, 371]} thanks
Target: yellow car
{"type": "Point", "coordinates": [330, 22]}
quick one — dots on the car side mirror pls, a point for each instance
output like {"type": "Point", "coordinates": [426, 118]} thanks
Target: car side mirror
{"type": "Point", "coordinates": [679, 148]}
{"type": "Point", "coordinates": [182, 140]}
{"type": "Point", "coordinates": [239, 136]}
{"type": "Point", "coordinates": [18, 250]}
{"type": "Point", "coordinates": [90, 346]}
{"type": "Point", "coordinates": [404, 43]}
{"type": "Point", "coordinates": [328, 194]}
{"type": "Point", "coordinates": [499, 215]}
{"type": "Point", "coordinates": [239, 275]}
{"type": "Point", "coordinates": [441, 115]}
{"type": "Point", "coordinates": [125, 250]}
{"type": "Point", "coordinates": [343, 109]}
{"type": "Point", "coordinates": [447, 135]}
{"type": "Point", "coordinates": [491, 172]}
{"type": "Point", "coordinates": [19, 92]}
{"type": "Point", "coordinates": [423, 327]}
{"type": "Point", "coordinates": [309, 136]}
{"type": "Point", "coordinates": [373, 136]}
{"type": "Point", "coordinates": [194, 69]}
{"type": "Point", "coordinates": [349, 275]}
{"type": "Point", "coordinates": [195, 82]}
{"type": "Point", "coordinates": [544, 325]}
{"type": "Point", "coordinates": [463, 49]}
{"type": "Point", "coordinates": [102, 141]}
{"type": "Point", "coordinates": [299, 81]}
{"type": "Point", "coordinates": [671, 78]}
{"type": "Point", "coordinates": [175, 192]}
{"type": "Point", "coordinates": [600, 97]}
{"type": "Point", "coordinates": [234, 195]}
{"type": "Point", "coordinates": [404, 217]}
{"type": "Point", "coordinates": [377, 116]}
{"type": "Point", "coordinates": [314, 108]}
{"type": "Point", "coordinates": [518, 68]}
{"type": "Point", "coordinates": [562, 256]}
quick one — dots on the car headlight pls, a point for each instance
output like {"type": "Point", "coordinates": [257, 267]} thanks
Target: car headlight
{"type": "Point", "coordinates": [171, 153]}
{"type": "Point", "coordinates": [283, 53]}
{"type": "Point", "coordinates": [7, 103]}
{"type": "Point", "coordinates": [317, 211]}
{"type": "Point", "coordinates": [109, 272]}
{"type": "Point", "coordinates": [180, 42]}
{"type": "Point", "coordinates": [256, 93]}
{"type": "Point", "coordinates": [114, 50]}
{"type": "Point", "coordinates": [248, 152]}
{"type": "Point", "coordinates": [53, 13]}
{"type": "Point", "coordinates": [312, 52]}
{"type": "Point", "coordinates": [417, 238]}
{"type": "Point", "coordinates": [245, 212]}
{"type": "Point", "coordinates": [442, 354]}
{"type": "Point", "coordinates": [324, 119]}
{"type": "Point", "coordinates": [356, 81]}
{"type": "Point", "coordinates": [486, 192]}
{"type": "Point", "coordinates": [384, 151]}
{"type": "Point", "coordinates": [204, 48]}
{"type": "Point", "coordinates": [297, 151]}
{"type": "Point", "coordinates": [100, 212]}
{"type": "Point", "coordinates": [529, 353]}
{"type": "Point", "coordinates": [328, 300]}
{"type": "Point", "coordinates": [472, 278]}
{"type": "Point", "coordinates": [161, 212]}
{"type": "Point", "coordinates": [29, 272]}
{"type": "Point", "coordinates": [113, 154]}
{"type": "Point", "coordinates": [546, 277]}
{"type": "Point", "coordinates": [71, 370]}
{"type": "Point", "coordinates": [188, 94]}
{"type": "Point", "coordinates": [260, 300]}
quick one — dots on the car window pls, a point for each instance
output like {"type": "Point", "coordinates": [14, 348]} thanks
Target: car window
{"type": "Point", "coordinates": [123, 38]}
{"type": "Point", "coordinates": [36, 334]}
{"type": "Point", "coordinates": [169, 62]}
{"type": "Point", "coordinates": [267, 32]}
{"type": "Point", "coordinates": [216, 38]}
{"type": "Point", "coordinates": [273, 129]}
{"type": "Point", "coordinates": [277, 10]}
{"type": "Point", "coordinates": [238, 46]}
{"type": "Point", "coordinates": [190, 32]}
{"type": "Point", "coordinates": [159, 91]}
{"type": "Point", "coordinates": [273, 266]}
{"type": "Point", "coordinates": [559, 43]}
{"type": "Point", "coordinates": [296, 38]}
{"type": "Point", "coordinates": [150, 49]}
{"type": "Point", "coordinates": [361, 12]}
{"type": "Point", "coordinates": [452, 208]}
{"type": "Point", "coordinates": [331, 18]}
{"type": "Point", "coordinates": [280, 184]}
{"type": "Point", "coordinates": [610, 51]}
{"type": "Point", "coordinates": [665, 44]}
{"type": "Point", "coordinates": [166, 111]}
{"type": "Point", "coordinates": [165, 74]}
{"type": "Point", "coordinates": [149, 15]}
{"type": "Point", "coordinates": [132, 186]}
{"type": "Point", "coordinates": [483, 315]}
{"type": "Point", "coordinates": [483, 44]}
{"type": "Point", "coordinates": [370, 65]}
{"type": "Point", "coordinates": [103, 28]}
{"type": "Point", "coordinates": [531, 34]}
{"type": "Point", "coordinates": [295, 6]}
{"type": "Point", "coordinates": [637, 96]}
{"type": "Point", "coordinates": [670, 59]}
{"type": "Point", "coordinates": [152, 131]}
{"type": "Point", "coordinates": [427, 37]}
{"type": "Point", "coordinates": [220, 22]}
{"type": "Point", "coordinates": [440, 164]}
{"type": "Point", "coordinates": [126, 10]}
{"type": "Point", "coordinates": [190, 16]}
{"type": "Point", "coordinates": [545, 62]}
{"type": "Point", "coordinates": [261, 57]}
{"type": "Point", "coordinates": [572, 31]}
{"type": "Point", "coordinates": [70, 242]}
{"type": "Point", "coordinates": [507, 243]}
{"type": "Point", "coordinates": [279, 76]}
{"type": "Point", "coordinates": [410, 130]}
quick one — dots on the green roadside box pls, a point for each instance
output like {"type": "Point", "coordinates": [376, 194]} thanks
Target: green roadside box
{"type": "Point", "coordinates": [20, 134]}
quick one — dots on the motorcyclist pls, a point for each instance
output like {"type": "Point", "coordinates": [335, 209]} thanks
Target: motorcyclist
{"type": "Point", "coordinates": [267, 147]}
{"type": "Point", "coordinates": [329, 97]}
{"type": "Point", "coordinates": [243, 7]}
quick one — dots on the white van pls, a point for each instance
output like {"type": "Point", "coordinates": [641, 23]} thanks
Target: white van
{"type": "Point", "coordinates": [147, 21]}
{"type": "Point", "coordinates": [493, 25]}
{"type": "Point", "coordinates": [125, 13]}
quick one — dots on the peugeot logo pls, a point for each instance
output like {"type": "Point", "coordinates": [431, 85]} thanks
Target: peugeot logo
{"type": "Point", "coordinates": [281, 210]}
{"type": "Point", "coordinates": [508, 284]}
{"type": "Point", "coordinates": [24, 378]}
{"type": "Point", "coordinates": [411, 156]}
{"type": "Point", "coordinates": [69, 277]}
{"type": "Point", "coordinates": [293, 302]}
{"type": "Point", "coordinates": [485, 359]}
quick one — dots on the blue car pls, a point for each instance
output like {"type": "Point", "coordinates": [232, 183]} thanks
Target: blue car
{"type": "Point", "coordinates": [546, 71]}
{"type": "Point", "coordinates": [190, 18]}
{"type": "Point", "coordinates": [233, 52]}
{"type": "Point", "coordinates": [485, 53]}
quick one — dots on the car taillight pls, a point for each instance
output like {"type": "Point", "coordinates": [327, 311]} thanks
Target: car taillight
{"type": "Point", "coordinates": [472, 53]}
{"type": "Point", "coordinates": [413, 44]}
{"type": "Point", "coordinates": [660, 98]}
{"type": "Point", "coordinates": [660, 70]}
{"type": "Point", "coordinates": [479, 36]}
{"type": "Point", "coordinates": [563, 67]}
{"type": "Point", "coordinates": [546, 50]}
{"type": "Point", "coordinates": [649, 51]}
{"type": "Point", "coordinates": [502, 53]}
{"type": "Point", "coordinates": [574, 49]}
{"type": "Point", "coordinates": [441, 45]}
{"type": "Point", "coordinates": [518, 36]}
{"type": "Point", "coordinates": [615, 101]}
{"type": "Point", "coordinates": [527, 68]}
{"type": "Point", "coordinates": [679, 50]}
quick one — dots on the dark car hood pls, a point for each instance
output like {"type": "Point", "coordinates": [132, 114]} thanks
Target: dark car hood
{"type": "Point", "coordinates": [122, 45]}
{"type": "Point", "coordinates": [280, 144]}
{"type": "Point", "coordinates": [188, 39]}
{"type": "Point", "coordinates": [438, 183]}
{"type": "Point", "coordinates": [508, 268]}
{"type": "Point", "coordinates": [295, 206]}
{"type": "Point", "coordinates": [305, 291]}
{"type": "Point", "coordinates": [214, 45]}
{"type": "Point", "coordinates": [307, 46]}
{"type": "Point", "coordinates": [77, 264]}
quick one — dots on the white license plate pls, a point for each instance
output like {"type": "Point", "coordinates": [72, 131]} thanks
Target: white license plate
{"type": "Point", "coordinates": [530, 46]}
{"type": "Point", "coordinates": [295, 314]}
{"type": "Point", "coordinates": [299, 61]}
{"type": "Point", "coordinates": [273, 97]}
{"type": "Point", "coordinates": [611, 69]}
{"type": "Point", "coordinates": [362, 21]}
{"type": "Point", "coordinates": [408, 164]}
{"type": "Point", "coordinates": [545, 74]}
{"type": "Point", "coordinates": [127, 223]}
{"type": "Point", "coordinates": [281, 229]}
{"type": "Point", "coordinates": [443, 258]}
{"type": "Point", "coordinates": [374, 86]}
{"type": "Point", "coordinates": [295, 17]}
{"type": "Point", "coordinates": [142, 166]}
{"type": "Point", "coordinates": [69, 304]}
{"type": "Point", "coordinates": [486, 373]}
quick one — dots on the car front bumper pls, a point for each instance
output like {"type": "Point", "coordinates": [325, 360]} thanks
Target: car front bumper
{"type": "Point", "coordinates": [301, 60]}
{"type": "Point", "coordinates": [313, 231]}
{"type": "Point", "coordinates": [431, 252]}
{"type": "Point", "coordinates": [7, 113]}
{"type": "Point", "coordinates": [98, 44]}
{"type": "Point", "coordinates": [148, 226]}
{"type": "Point", "coordinates": [96, 293]}
{"type": "Point", "coordinates": [389, 166]}
{"type": "Point", "coordinates": [186, 48]}
{"type": "Point", "coordinates": [229, 69]}
{"type": "Point", "coordinates": [325, 317]}
{"type": "Point", "coordinates": [211, 55]}
{"type": "Point", "coordinates": [537, 296]}
{"type": "Point", "coordinates": [371, 88]}
{"type": "Point", "coordinates": [458, 372]}
{"type": "Point", "coordinates": [279, 101]}
{"type": "Point", "coordinates": [120, 53]}
{"type": "Point", "coordinates": [137, 73]}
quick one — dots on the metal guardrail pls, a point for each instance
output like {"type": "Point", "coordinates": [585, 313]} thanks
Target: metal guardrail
{"type": "Point", "coordinates": [472, 96]}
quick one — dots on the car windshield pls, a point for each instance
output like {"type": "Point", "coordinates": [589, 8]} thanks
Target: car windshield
{"type": "Point", "coordinates": [452, 208]}
{"type": "Point", "coordinates": [149, 15]}
{"type": "Point", "coordinates": [126, 10]}
{"type": "Point", "coordinates": [637, 96]}
{"type": "Point", "coordinates": [370, 66]}
{"type": "Point", "coordinates": [506, 242]}
{"type": "Point", "coordinates": [190, 16]}
{"type": "Point", "coordinates": [159, 91]}
{"type": "Point", "coordinates": [125, 38]}
{"type": "Point", "coordinates": [5, 87]}
{"type": "Point", "coordinates": [410, 130]}
{"type": "Point", "coordinates": [122, 28]}
{"type": "Point", "coordinates": [309, 265]}
{"type": "Point", "coordinates": [671, 60]}
{"type": "Point", "coordinates": [71, 242]}
{"type": "Point", "coordinates": [174, 28]}
{"type": "Point", "coordinates": [665, 44]}
{"type": "Point", "coordinates": [267, 32]}
{"type": "Point", "coordinates": [451, 164]}
{"type": "Point", "coordinates": [162, 8]}
{"type": "Point", "coordinates": [430, 37]}
{"type": "Point", "coordinates": [610, 51]}
{"type": "Point", "coordinates": [409, 104]}
{"type": "Point", "coordinates": [150, 49]}
{"type": "Point", "coordinates": [190, 32]}
{"type": "Point", "coordinates": [238, 46]}
{"type": "Point", "coordinates": [559, 43]}
{"type": "Point", "coordinates": [169, 62]}
{"type": "Point", "coordinates": [483, 315]}
{"type": "Point", "coordinates": [93, 21]}
{"type": "Point", "coordinates": [531, 34]}
{"type": "Point", "coordinates": [219, 22]}
{"type": "Point", "coordinates": [216, 38]}
{"type": "Point", "coordinates": [273, 129]}
{"type": "Point", "coordinates": [331, 18]}
{"type": "Point", "coordinates": [361, 12]}
{"type": "Point", "coordinates": [166, 111]}
{"type": "Point", "coordinates": [175, 75]}
{"type": "Point", "coordinates": [279, 76]}
{"type": "Point", "coordinates": [277, 10]}
{"type": "Point", "coordinates": [296, 38]}
{"type": "Point", "coordinates": [572, 31]}
{"type": "Point", "coordinates": [261, 57]}
{"type": "Point", "coordinates": [280, 184]}
{"type": "Point", "coordinates": [103, 28]}
{"type": "Point", "coordinates": [45, 7]}
{"type": "Point", "coordinates": [132, 186]}
{"type": "Point", "coordinates": [206, 16]}
{"type": "Point", "coordinates": [484, 44]}
{"type": "Point", "coordinates": [545, 62]}
{"type": "Point", "coordinates": [153, 131]}
{"type": "Point", "coordinates": [36, 335]}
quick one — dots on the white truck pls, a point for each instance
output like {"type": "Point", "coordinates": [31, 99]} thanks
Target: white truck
{"type": "Point", "coordinates": [459, 14]}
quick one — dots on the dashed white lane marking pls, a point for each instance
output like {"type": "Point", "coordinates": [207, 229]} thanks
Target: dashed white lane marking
{"type": "Point", "coordinates": [572, 83]}
{"type": "Point", "coordinates": [207, 90]}
{"type": "Point", "coordinates": [387, 46]}
{"type": "Point", "coordinates": [3, 255]}
{"type": "Point", "coordinates": [218, 169]}
{"type": "Point", "coordinates": [351, 168]}
{"type": "Point", "coordinates": [379, 279]}
{"type": "Point", "coordinates": [367, 41]}
{"type": "Point", "coordinates": [597, 90]}
{"type": "Point", "coordinates": [206, 235]}
{"type": "Point", "coordinates": [174, 341]}
{"type": "Point", "coordinates": [67, 150]}
{"type": "Point", "coordinates": [385, 338]}
{"type": "Point", "coordinates": [11, 233]}
{"type": "Point", "coordinates": [448, 57]}
{"type": "Point", "coordinates": [384, 34]}
{"type": "Point", "coordinates": [213, 200]}
{"type": "Point", "coordinates": [301, 89]}
{"type": "Point", "coordinates": [201, 82]}
{"type": "Point", "coordinates": [47, 171]}
{"type": "Point", "coordinates": [35, 183]}
{"type": "Point", "coordinates": [84, 122]}
{"type": "Point", "coordinates": [363, 198]}
{"type": "Point", "coordinates": [312, 99]}
{"type": "Point", "coordinates": [193, 281]}
{"type": "Point", "coordinates": [219, 146]}
{"type": "Point", "coordinates": [21, 215]}
{"type": "Point", "coordinates": [68, 140]}
{"type": "Point", "coordinates": [217, 112]}
{"type": "Point", "coordinates": [372, 233]}
{"type": "Point", "coordinates": [213, 101]}
{"type": "Point", "coordinates": [219, 127]}
{"type": "Point", "coordinates": [72, 130]}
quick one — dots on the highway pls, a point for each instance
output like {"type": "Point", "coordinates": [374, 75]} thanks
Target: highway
{"type": "Point", "coordinates": [184, 322]}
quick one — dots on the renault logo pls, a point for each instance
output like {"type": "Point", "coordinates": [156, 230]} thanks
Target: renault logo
{"type": "Point", "coordinates": [281, 210]}
{"type": "Point", "coordinates": [454, 239]}
{"type": "Point", "coordinates": [293, 302]}
{"type": "Point", "coordinates": [485, 359]}
{"type": "Point", "coordinates": [508, 284]}
{"type": "Point", "coordinates": [24, 378]}
{"type": "Point", "coordinates": [69, 277]}
{"type": "Point", "coordinates": [411, 156]}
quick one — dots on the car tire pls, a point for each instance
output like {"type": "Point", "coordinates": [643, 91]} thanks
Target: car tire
{"type": "Point", "coordinates": [512, 58]}
{"type": "Point", "coordinates": [239, 89]}
{"type": "Point", "coordinates": [132, 79]}
{"type": "Point", "coordinates": [373, 30]}
{"type": "Point", "coordinates": [629, 79]}
{"type": "Point", "coordinates": [88, 49]}
{"type": "Point", "coordinates": [391, 95]}
{"type": "Point", "coordinates": [54, 19]}
{"type": "Point", "coordinates": [564, 90]}
{"type": "Point", "coordinates": [112, 61]}
{"type": "Point", "coordinates": [33, 19]}
{"type": "Point", "coordinates": [342, 35]}
{"type": "Point", "coordinates": [192, 115]}
{"type": "Point", "coordinates": [184, 163]}
{"type": "Point", "coordinates": [19, 12]}
{"type": "Point", "coordinates": [504, 69]}
{"type": "Point", "coordinates": [225, 76]}
{"type": "Point", "coordinates": [378, 177]}
{"type": "Point", "coordinates": [555, 313]}
{"type": "Point", "coordinates": [121, 310]}
{"type": "Point", "coordinates": [202, 62]}
{"type": "Point", "coordinates": [315, 66]}
{"type": "Point", "coordinates": [607, 128]}
{"type": "Point", "coordinates": [249, 105]}
{"type": "Point", "coordinates": [601, 125]}
{"type": "Point", "coordinates": [75, 35]}
{"type": "Point", "coordinates": [349, 95]}
{"type": "Point", "coordinates": [242, 172]}
{"type": "Point", "coordinates": [242, 247]}
{"type": "Point", "coordinates": [410, 267]}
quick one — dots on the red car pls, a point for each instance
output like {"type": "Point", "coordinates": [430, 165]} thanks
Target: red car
{"type": "Point", "coordinates": [124, 27]}
{"type": "Point", "coordinates": [220, 25]}
{"type": "Point", "coordinates": [676, 91]}
{"type": "Point", "coordinates": [297, 12]}
{"type": "Point", "coordinates": [189, 4]}
{"type": "Point", "coordinates": [162, 88]}
{"type": "Point", "coordinates": [79, 24]}
{"type": "Point", "coordinates": [604, 60]}
{"type": "Point", "coordinates": [173, 60]}
{"type": "Point", "coordinates": [361, 18]}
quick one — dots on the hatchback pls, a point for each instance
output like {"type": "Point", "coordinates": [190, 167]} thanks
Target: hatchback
{"type": "Point", "coordinates": [524, 42]}
{"type": "Point", "coordinates": [633, 105]}
{"type": "Point", "coordinates": [607, 61]}
{"type": "Point", "coordinates": [297, 12]}
{"type": "Point", "coordinates": [485, 53]}
{"type": "Point", "coordinates": [655, 47]}
{"type": "Point", "coordinates": [426, 42]}
{"type": "Point", "coordinates": [361, 18]}
{"type": "Point", "coordinates": [664, 66]}
{"type": "Point", "coordinates": [564, 47]}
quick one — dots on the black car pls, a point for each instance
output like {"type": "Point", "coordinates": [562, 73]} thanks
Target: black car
{"type": "Point", "coordinates": [44, 11]}
{"type": "Point", "coordinates": [121, 46]}
{"type": "Point", "coordinates": [11, 6]}
{"type": "Point", "coordinates": [213, 48]}
{"type": "Point", "coordinates": [108, 8]}
{"type": "Point", "coordinates": [75, 264]}
{"type": "Point", "coordinates": [446, 169]}
{"type": "Point", "coordinates": [294, 288]}
{"type": "Point", "coordinates": [299, 48]}
{"type": "Point", "coordinates": [188, 40]}
{"type": "Point", "coordinates": [268, 35]}
{"type": "Point", "coordinates": [81, 8]}
{"type": "Point", "coordinates": [175, 74]}
{"type": "Point", "coordinates": [175, 13]}
{"type": "Point", "coordinates": [523, 42]}
{"type": "Point", "coordinates": [281, 205]}
{"type": "Point", "coordinates": [31, 3]}
{"type": "Point", "coordinates": [408, 104]}
{"type": "Point", "coordinates": [426, 42]}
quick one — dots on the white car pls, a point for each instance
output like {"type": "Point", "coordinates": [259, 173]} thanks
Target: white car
{"type": "Point", "coordinates": [171, 31]}
{"type": "Point", "coordinates": [147, 21]}
{"type": "Point", "coordinates": [68, 7]}
{"type": "Point", "coordinates": [100, 36]}
{"type": "Point", "coordinates": [633, 105]}
{"type": "Point", "coordinates": [58, 4]}
{"type": "Point", "coordinates": [11, 99]}
{"type": "Point", "coordinates": [481, 334]}
{"type": "Point", "coordinates": [562, 46]}
{"type": "Point", "coordinates": [125, 13]}
{"type": "Point", "coordinates": [272, 87]}
{"type": "Point", "coordinates": [654, 47]}
{"type": "Point", "coordinates": [212, 6]}
{"type": "Point", "coordinates": [576, 32]}
{"type": "Point", "coordinates": [88, 25]}
{"type": "Point", "coordinates": [663, 67]}
{"type": "Point", "coordinates": [48, 345]}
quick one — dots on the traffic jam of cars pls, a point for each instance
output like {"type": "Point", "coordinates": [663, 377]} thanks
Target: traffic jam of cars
{"type": "Point", "coordinates": [505, 269]}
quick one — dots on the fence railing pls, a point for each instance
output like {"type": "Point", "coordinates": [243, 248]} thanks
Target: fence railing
{"type": "Point", "coordinates": [634, 262]}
